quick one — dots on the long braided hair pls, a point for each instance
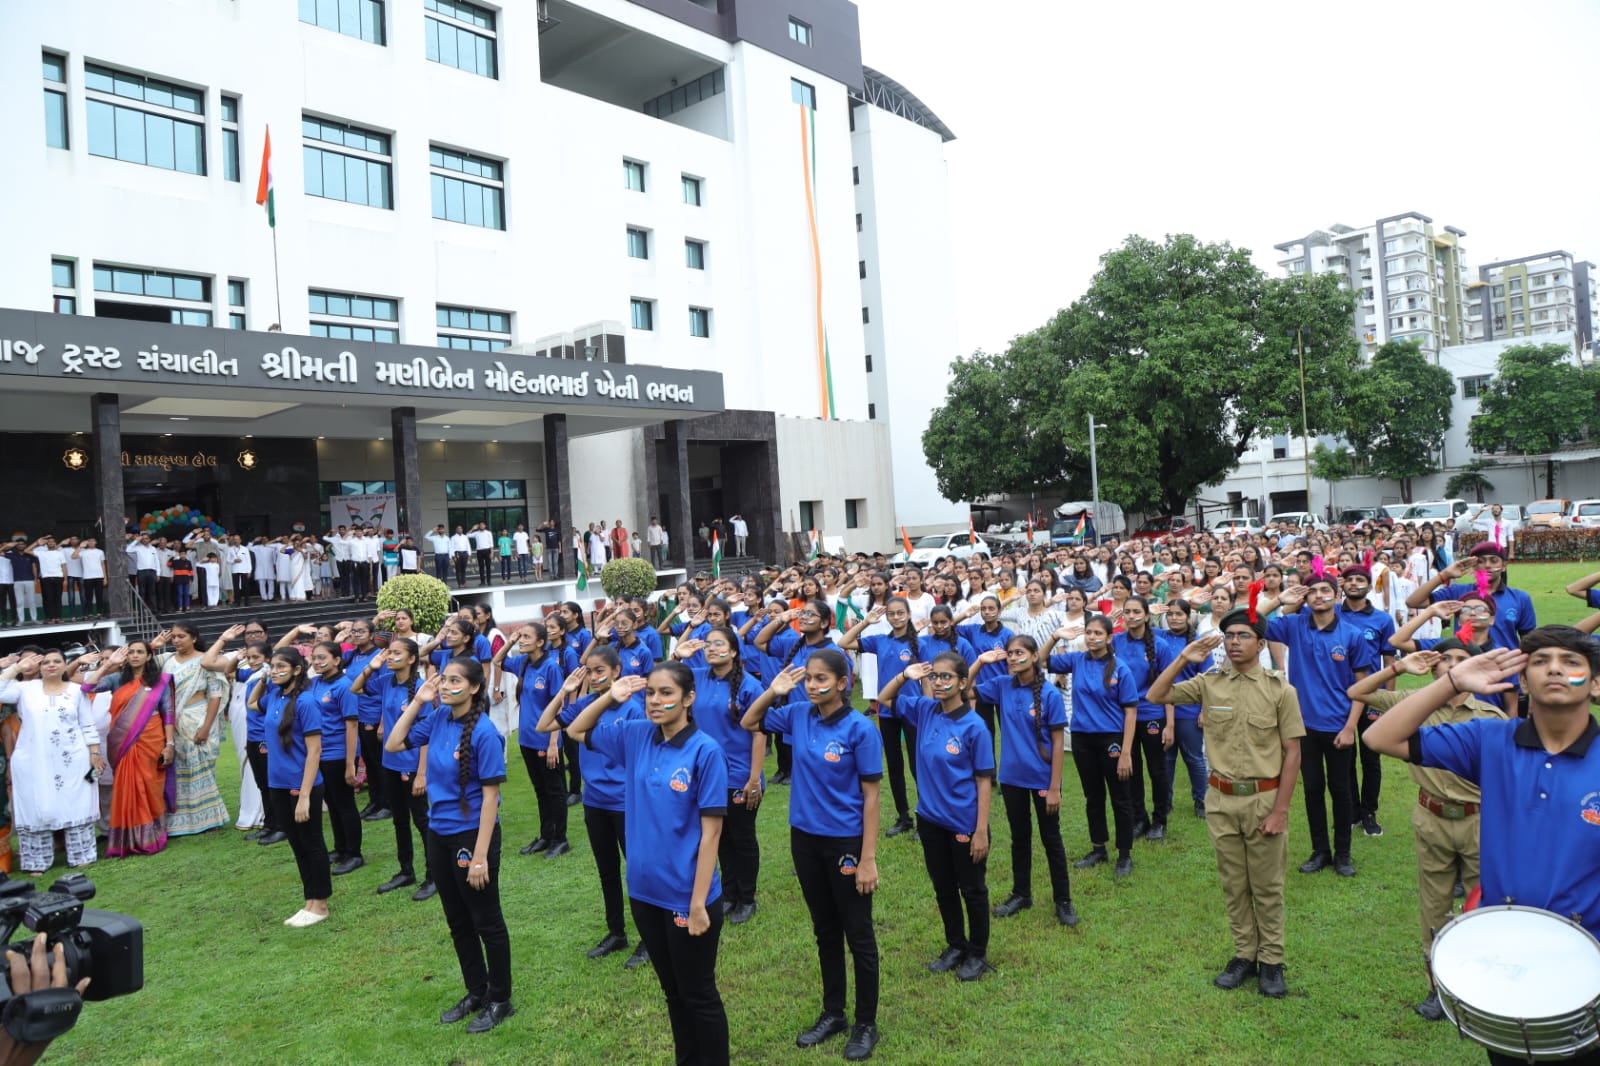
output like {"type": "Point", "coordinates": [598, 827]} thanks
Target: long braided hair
{"type": "Point", "coordinates": [1031, 646]}
{"type": "Point", "coordinates": [472, 670]}
{"type": "Point", "coordinates": [824, 612]}
{"type": "Point", "coordinates": [410, 647]}
{"type": "Point", "coordinates": [1111, 649]}
{"type": "Point", "coordinates": [290, 692]}
{"type": "Point", "coordinates": [735, 676]}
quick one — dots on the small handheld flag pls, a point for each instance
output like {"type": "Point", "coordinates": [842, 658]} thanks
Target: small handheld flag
{"type": "Point", "coordinates": [1083, 521]}
{"type": "Point", "coordinates": [583, 574]}
{"type": "Point", "coordinates": [716, 554]}
{"type": "Point", "coordinates": [815, 545]}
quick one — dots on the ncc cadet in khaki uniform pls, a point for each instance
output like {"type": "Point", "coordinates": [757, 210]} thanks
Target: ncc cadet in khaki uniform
{"type": "Point", "coordinates": [1251, 718]}
{"type": "Point", "coordinates": [1445, 817]}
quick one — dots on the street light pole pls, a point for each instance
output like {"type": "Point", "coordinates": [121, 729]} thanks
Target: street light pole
{"type": "Point", "coordinates": [1094, 477]}
{"type": "Point", "coordinates": [1305, 432]}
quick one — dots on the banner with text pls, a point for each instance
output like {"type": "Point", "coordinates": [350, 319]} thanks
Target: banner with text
{"type": "Point", "coordinates": [378, 509]}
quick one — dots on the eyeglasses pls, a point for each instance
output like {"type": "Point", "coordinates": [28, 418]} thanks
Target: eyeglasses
{"type": "Point", "coordinates": [808, 614]}
{"type": "Point", "coordinates": [947, 677]}
{"type": "Point", "coordinates": [1238, 638]}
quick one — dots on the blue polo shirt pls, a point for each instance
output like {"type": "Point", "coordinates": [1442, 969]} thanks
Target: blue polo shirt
{"type": "Point", "coordinates": [670, 785]}
{"type": "Point", "coordinates": [1096, 706]}
{"type": "Point", "coordinates": [569, 661]}
{"type": "Point", "coordinates": [832, 757]}
{"type": "Point", "coordinates": [983, 641]}
{"type": "Point", "coordinates": [481, 651]}
{"type": "Point", "coordinates": [394, 697]}
{"type": "Point", "coordinates": [1322, 665]}
{"type": "Point", "coordinates": [953, 751]}
{"type": "Point", "coordinates": [1024, 764]}
{"type": "Point", "coordinates": [637, 660]}
{"type": "Point", "coordinates": [1376, 628]}
{"type": "Point", "coordinates": [338, 705]}
{"type": "Point", "coordinates": [1132, 653]}
{"type": "Point", "coordinates": [603, 784]}
{"type": "Point", "coordinates": [369, 707]}
{"type": "Point", "coordinates": [651, 640]}
{"type": "Point", "coordinates": [894, 655]}
{"type": "Point", "coordinates": [1539, 839]}
{"type": "Point", "coordinates": [697, 661]}
{"type": "Point", "coordinates": [255, 723]}
{"type": "Point", "coordinates": [286, 768]}
{"type": "Point", "coordinates": [778, 651]}
{"type": "Point", "coordinates": [537, 684]}
{"type": "Point", "coordinates": [930, 648]}
{"type": "Point", "coordinates": [717, 712]}
{"type": "Point", "coordinates": [1513, 612]}
{"type": "Point", "coordinates": [579, 640]}
{"type": "Point", "coordinates": [442, 734]}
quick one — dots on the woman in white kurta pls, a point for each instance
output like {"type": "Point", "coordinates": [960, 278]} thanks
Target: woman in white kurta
{"type": "Point", "coordinates": [51, 761]}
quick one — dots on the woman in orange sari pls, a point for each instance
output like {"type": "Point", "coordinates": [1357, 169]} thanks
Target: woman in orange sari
{"type": "Point", "coordinates": [140, 747]}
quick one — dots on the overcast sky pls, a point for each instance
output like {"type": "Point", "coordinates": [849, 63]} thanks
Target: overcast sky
{"type": "Point", "coordinates": [1078, 123]}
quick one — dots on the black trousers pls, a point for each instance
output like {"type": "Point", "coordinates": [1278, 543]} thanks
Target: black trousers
{"type": "Point", "coordinates": [1148, 754]}
{"type": "Point", "coordinates": [569, 753]}
{"type": "Point", "coordinates": [94, 596]}
{"type": "Point", "coordinates": [608, 839]}
{"type": "Point", "coordinates": [305, 840]}
{"type": "Point", "coordinates": [346, 576]}
{"type": "Point", "coordinates": [241, 589]}
{"type": "Point", "coordinates": [1324, 769]}
{"type": "Point", "coordinates": [372, 758]}
{"type": "Point", "coordinates": [361, 575]}
{"type": "Point", "coordinates": [896, 758]}
{"type": "Point", "coordinates": [957, 879]}
{"type": "Point", "coordinates": [550, 789]}
{"type": "Point", "coordinates": [839, 916]}
{"type": "Point", "coordinates": [990, 713]}
{"type": "Point", "coordinates": [739, 853]}
{"type": "Point", "coordinates": [256, 753]}
{"type": "Point", "coordinates": [50, 592]}
{"type": "Point", "coordinates": [1364, 793]}
{"type": "Point", "coordinates": [8, 599]}
{"type": "Point", "coordinates": [483, 566]}
{"type": "Point", "coordinates": [408, 810]}
{"type": "Point", "coordinates": [342, 812]}
{"type": "Point", "coordinates": [147, 589]}
{"type": "Point", "coordinates": [477, 928]}
{"type": "Point", "coordinates": [1022, 806]}
{"type": "Point", "coordinates": [460, 560]}
{"type": "Point", "coordinates": [687, 969]}
{"type": "Point", "coordinates": [785, 752]}
{"type": "Point", "coordinates": [165, 594]}
{"type": "Point", "coordinates": [1097, 770]}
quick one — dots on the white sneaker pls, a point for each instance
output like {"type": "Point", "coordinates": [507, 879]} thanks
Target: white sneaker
{"type": "Point", "coordinates": [295, 918]}
{"type": "Point", "coordinates": [303, 918]}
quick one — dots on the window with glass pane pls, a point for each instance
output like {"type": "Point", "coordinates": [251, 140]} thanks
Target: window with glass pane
{"type": "Point", "coordinates": [699, 322]}
{"type": "Point", "coordinates": [644, 314]}
{"type": "Point", "coordinates": [467, 189]}
{"type": "Point", "coordinates": [694, 254]}
{"type": "Point", "coordinates": [348, 163]}
{"type": "Point", "coordinates": [230, 138]}
{"type": "Point", "coordinates": [471, 329]}
{"type": "Point", "coordinates": [348, 316]}
{"type": "Point", "coordinates": [63, 273]}
{"type": "Point", "coordinates": [799, 32]}
{"type": "Point", "coordinates": [638, 243]}
{"type": "Point", "coordinates": [144, 120]}
{"type": "Point", "coordinates": [361, 19]}
{"type": "Point", "coordinates": [455, 490]}
{"type": "Point", "coordinates": [461, 35]}
{"type": "Point", "coordinates": [691, 191]}
{"type": "Point", "coordinates": [55, 100]}
{"type": "Point", "coordinates": [803, 94]}
{"type": "Point", "coordinates": [633, 175]}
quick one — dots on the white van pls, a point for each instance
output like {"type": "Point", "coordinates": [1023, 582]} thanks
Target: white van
{"type": "Point", "coordinates": [1435, 511]}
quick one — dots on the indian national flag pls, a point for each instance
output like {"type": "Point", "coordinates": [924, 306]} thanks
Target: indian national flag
{"type": "Point", "coordinates": [716, 554]}
{"type": "Point", "coordinates": [1082, 521]}
{"type": "Point", "coordinates": [816, 545]}
{"type": "Point", "coordinates": [583, 574]}
{"type": "Point", "coordinates": [906, 542]}
{"type": "Point", "coordinates": [264, 185]}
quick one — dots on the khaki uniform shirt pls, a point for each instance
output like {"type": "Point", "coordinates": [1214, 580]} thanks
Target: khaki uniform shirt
{"type": "Point", "coordinates": [1246, 717]}
{"type": "Point", "coordinates": [1441, 784]}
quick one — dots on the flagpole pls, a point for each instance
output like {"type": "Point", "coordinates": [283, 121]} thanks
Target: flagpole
{"type": "Point", "coordinates": [277, 290]}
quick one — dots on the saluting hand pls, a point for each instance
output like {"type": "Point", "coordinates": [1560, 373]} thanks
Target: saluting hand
{"type": "Point", "coordinates": [623, 688]}
{"type": "Point", "coordinates": [994, 655]}
{"type": "Point", "coordinates": [575, 680]}
{"type": "Point", "coordinates": [685, 648]}
{"type": "Point", "coordinates": [785, 682]}
{"type": "Point", "coordinates": [1486, 674]}
{"type": "Point", "coordinates": [232, 633]}
{"type": "Point", "coordinates": [1199, 651]}
{"type": "Point", "coordinates": [918, 671]}
{"type": "Point", "coordinates": [1418, 662]}
{"type": "Point", "coordinates": [428, 691]}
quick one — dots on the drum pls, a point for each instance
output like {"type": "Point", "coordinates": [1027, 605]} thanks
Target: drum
{"type": "Point", "coordinates": [1520, 981]}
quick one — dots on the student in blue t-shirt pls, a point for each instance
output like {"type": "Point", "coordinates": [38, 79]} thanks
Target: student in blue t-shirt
{"type": "Point", "coordinates": [1188, 740]}
{"type": "Point", "coordinates": [252, 670]}
{"type": "Point", "coordinates": [1376, 627]}
{"type": "Point", "coordinates": [466, 766]}
{"type": "Point", "coordinates": [369, 709]}
{"type": "Point", "coordinates": [955, 757]}
{"type": "Point", "coordinates": [985, 635]}
{"type": "Point", "coordinates": [604, 788]}
{"type": "Point", "coordinates": [293, 726]}
{"type": "Point", "coordinates": [784, 647]}
{"type": "Point", "coordinates": [894, 651]}
{"type": "Point", "coordinates": [676, 781]}
{"type": "Point", "coordinates": [833, 832]}
{"type": "Point", "coordinates": [1147, 653]}
{"type": "Point", "coordinates": [456, 637]}
{"type": "Point", "coordinates": [1031, 763]}
{"type": "Point", "coordinates": [634, 654]}
{"type": "Point", "coordinates": [539, 678]}
{"type": "Point", "coordinates": [331, 690]}
{"type": "Point", "coordinates": [724, 693]}
{"type": "Point", "coordinates": [395, 681]}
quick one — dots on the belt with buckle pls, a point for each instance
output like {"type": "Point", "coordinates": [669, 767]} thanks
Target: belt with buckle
{"type": "Point", "coordinates": [1242, 788]}
{"type": "Point", "coordinates": [1444, 808]}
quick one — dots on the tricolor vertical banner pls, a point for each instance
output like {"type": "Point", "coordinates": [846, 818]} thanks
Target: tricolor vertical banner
{"type": "Point", "coordinates": [264, 190]}
{"type": "Point", "coordinates": [716, 554]}
{"type": "Point", "coordinates": [808, 167]}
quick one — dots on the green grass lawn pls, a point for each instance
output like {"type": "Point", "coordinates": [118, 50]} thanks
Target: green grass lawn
{"type": "Point", "coordinates": [226, 982]}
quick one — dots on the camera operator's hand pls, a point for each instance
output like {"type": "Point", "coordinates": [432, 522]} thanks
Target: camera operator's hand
{"type": "Point", "coordinates": [40, 970]}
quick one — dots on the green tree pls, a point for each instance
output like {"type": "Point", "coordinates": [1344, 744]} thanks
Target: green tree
{"type": "Point", "coordinates": [1538, 400]}
{"type": "Point", "coordinates": [1399, 413]}
{"type": "Point", "coordinates": [1470, 479]}
{"type": "Point", "coordinates": [1332, 465]}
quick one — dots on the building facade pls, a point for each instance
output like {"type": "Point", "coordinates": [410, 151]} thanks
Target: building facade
{"type": "Point", "coordinates": [1536, 295]}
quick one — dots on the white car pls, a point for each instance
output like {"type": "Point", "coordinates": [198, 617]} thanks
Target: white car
{"type": "Point", "coordinates": [1436, 511]}
{"type": "Point", "coordinates": [929, 550]}
{"type": "Point", "coordinates": [1227, 527]}
{"type": "Point", "coordinates": [1585, 514]}
{"type": "Point", "coordinates": [1303, 519]}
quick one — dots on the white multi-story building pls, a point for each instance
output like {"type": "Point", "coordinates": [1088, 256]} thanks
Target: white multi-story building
{"type": "Point", "coordinates": [1553, 292]}
{"type": "Point", "coordinates": [485, 179]}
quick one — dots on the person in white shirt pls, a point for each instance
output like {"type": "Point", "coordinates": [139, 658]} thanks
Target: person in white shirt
{"type": "Point", "coordinates": [144, 563]}
{"type": "Point", "coordinates": [339, 542]}
{"type": "Point", "coordinates": [741, 532]}
{"type": "Point", "coordinates": [482, 546]}
{"type": "Point", "coordinates": [8, 596]}
{"type": "Point", "coordinates": [52, 575]}
{"type": "Point", "coordinates": [263, 557]}
{"type": "Point", "coordinates": [522, 546]}
{"type": "Point", "coordinates": [240, 566]}
{"type": "Point", "coordinates": [164, 590]}
{"type": "Point", "coordinates": [460, 552]}
{"type": "Point", "coordinates": [69, 552]}
{"type": "Point", "coordinates": [91, 562]}
{"type": "Point", "coordinates": [439, 543]}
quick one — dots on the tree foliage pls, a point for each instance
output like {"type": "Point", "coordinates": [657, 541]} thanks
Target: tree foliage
{"type": "Point", "coordinates": [1538, 400]}
{"type": "Point", "coordinates": [1469, 478]}
{"type": "Point", "coordinates": [1183, 349]}
{"type": "Point", "coordinates": [1332, 464]}
{"type": "Point", "coordinates": [1399, 413]}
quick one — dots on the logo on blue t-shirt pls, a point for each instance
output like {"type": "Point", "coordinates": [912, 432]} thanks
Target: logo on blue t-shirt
{"type": "Point", "coordinates": [905, 655]}
{"type": "Point", "coordinates": [1511, 615]}
{"type": "Point", "coordinates": [1369, 633]}
{"type": "Point", "coordinates": [538, 682]}
{"type": "Point", "coordinates": [833, 752]}
{"type": "Point", "coordinates": [679, 782]}
{"type": "Point", "coordinates": [953, 746]}
{"type": "Point", "coordinates": [680, 920]}
{"type": "Point", "coordinates": [1338, 653]}
{"type": "Point", "coordinates": [1590, 810]}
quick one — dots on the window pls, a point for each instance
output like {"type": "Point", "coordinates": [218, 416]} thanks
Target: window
{"type": "Point", "coordinates": [638, 243]}
{"type": "Point", "coordinates": [699, 322]}
{"type": "Point", "coordinates": [64, 282]}
{"type": "Point", "coordinates": [230, 138]}
{"type": "Point", "coordinates": [142, 120]}
{"type": "Point", "coordinates": [236, 312]}
{"type": "Point", "coordinates": [55, 100]}
{"type": "Point", "coordinates": [346, 163]}
{"type": "Point", "coordinates": [471, 329]}
{"type": "Point", "coordinates": [1280, 446]}
{"type": "Point", "coordinates": [858, 221]}
{"type": "Point", "coordinates": [644, 313]}
{"type": "Point", "coordinates": [855, 514]}
{"type": "Point", "coordinates": [679, 97]}
{"type": "Point", "coordinates": [1473, 387]}
{"type": "Point", "coordinates": [467, 188]}
{"type": "Point", "coordinates": [1499, 291]}
{"type": "Point", "coordinates": [800, 33]}
{"type": "Point", "coordinates": [866, 316]}
{"type": "Point", "coordinates": [872, 410]}
{"type": "Point", "coordinates": [351, 488]}
{"type": "Point", "coordinates": [862, 267]}
{"type": "Point", "coordinates": [152, 295]}
{"type": "Point", "coordinates": [1515, 284]}
{"type": "Point", "coordinates": [694, 255]}
{"type": "Point", "coordinates": [347, 316]}
{"type": "Point", "coordinates": [633, 175]}
{"type": "Point", "coordinates": [691, 191]}
{"type": "Point", "coordinates": [803, 94]}
{"type": "Point", "coordinates": [460, 35]}
{"type": "Point", "coordinates": [855, 175]}
{"type": "Point", "coordinates": [810, 514]}
{"type": "Point", "coordinates": [362, 19]}
{"type": "Point", "coordinates": [869, 362]}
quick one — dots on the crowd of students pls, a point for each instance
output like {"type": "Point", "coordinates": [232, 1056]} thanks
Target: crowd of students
{"type": "Point", "coordinates": [657, 718]}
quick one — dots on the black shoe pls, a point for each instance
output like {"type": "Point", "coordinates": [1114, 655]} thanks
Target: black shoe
{"type": "Point", "coordinates": [377, 815]}
{"type": "Point", "coordinates": [1124, 866]}
{"type": "Point", "coordinates": [336, 857]}
{"type": "Point", "coordinates": [1234, 974]}
{"type": "Point", "coordinates": [901, 824]}
{"type": "Point", "coordinates": [425, 891]}
{"type": "Point", "coordinates": [399, 880]}
{"type": "Point", "coordinates": [1157, 831]}
{"type": "Point", "coordinates": [1370, 826]}
{"type": "Point", "coordinates": [640, 956]}
{"type": "Point", "coordinates": [574, 798]}
{"type": "Point", "coordinates": [1460, 889]}
{"type": "Point", "coordinates": [609, 943]}
{"type": "Point", "coordinates": [1066, 914]}
{"type": "Point", "coordinates": [491, 1015]}
{"type": "Point", "coordinates": [1343, 866]}
{"type": "Point", "coordinates": [1271, 982]}
{"type": "Point", "coordinates": [727, 904]}
{"type": "Point", "coordinates": [1431, 1008]}
{"type": "Point", "coordinates": [350, 865]}
{"type": "Point", "coordinates": [468, 1006]}
{"type": "Point", "coordinates": [948, 960]}
{"type": "Point", "coordinates": [277, 836]}
{"type": "Point", "coordinates": [1319, 861]}
{"type": "Point", "coordinates": [827, 1025]}
{"type": "Point", "coordinates": [863, 1038]}
{"type": "Point", "coordinates": [1140, 825]}
{"type": "Point", "coordinates": [368, 809]}
{"type": "Point", "coordinates": [535, 847]}
{"type": "Point", "coordinates": [259, 833]}
{"type": "Point", "coordinates": [1095, 857]}
{"type": "Point", "coordinates": [1199, 808]}
{"type": "Point", "coordinates": [972, 968]}
{"type": "Point", "coordinates": [560, 847]}
{"type": "Point", "coordinates": [1013, 904]}
{"type": "Point", "coordinates": [742, 913]}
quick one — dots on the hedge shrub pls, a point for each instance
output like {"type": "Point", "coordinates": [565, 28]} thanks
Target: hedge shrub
{"type": "Point", "coordinates": [628, 577]}
{"type": "Point", "coordinates": [427, 598]}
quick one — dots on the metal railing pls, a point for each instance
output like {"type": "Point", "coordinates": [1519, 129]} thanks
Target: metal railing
{"type": "Point", "coordinates": [142, 621]}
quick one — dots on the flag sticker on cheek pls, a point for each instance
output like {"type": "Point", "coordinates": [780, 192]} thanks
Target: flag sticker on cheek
{"type": "Point", "coordinates": [1575, 680]}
